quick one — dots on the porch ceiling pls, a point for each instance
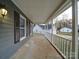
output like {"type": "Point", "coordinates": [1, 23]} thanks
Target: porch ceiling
{"type": "Point", "coordinates": [38, 11]}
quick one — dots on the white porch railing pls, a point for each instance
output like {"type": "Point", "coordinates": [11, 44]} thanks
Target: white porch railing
{"type": "Point", "coordinates": [63, 43]}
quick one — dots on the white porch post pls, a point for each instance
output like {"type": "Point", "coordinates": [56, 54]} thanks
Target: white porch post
{"type": "Point", "coordinates": [52, 31]}
{"type": "Point", "coordinates": [75, 30]}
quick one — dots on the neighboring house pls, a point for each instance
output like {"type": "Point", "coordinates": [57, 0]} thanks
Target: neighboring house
{"type": "Point", "coordinates": [37, 29]}
{"type": "Point", "coordinates": [65, 29]}
{"type": "Point", "coordinates": [48, 26]}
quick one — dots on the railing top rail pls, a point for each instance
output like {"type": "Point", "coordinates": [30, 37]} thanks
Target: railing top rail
{"type": "Point", "coordinates": [66, 37]}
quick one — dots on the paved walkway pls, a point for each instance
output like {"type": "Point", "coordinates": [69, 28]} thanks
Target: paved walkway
{"type": "Point", "coordinates": [36, 48]}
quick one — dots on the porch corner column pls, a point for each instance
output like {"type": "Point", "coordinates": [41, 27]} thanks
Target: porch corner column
{"type": "Point", "coordinates": [52, 31]}
{"type": "Point", "coordinates": [74, 30]}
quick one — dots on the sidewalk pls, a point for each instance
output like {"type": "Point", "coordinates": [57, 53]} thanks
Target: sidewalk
{"type": "Point", "coordinates": [36, 48]}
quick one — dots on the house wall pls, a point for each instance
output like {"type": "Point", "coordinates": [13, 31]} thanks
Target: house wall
{"type": "Point", "coordinates": [7, 46]}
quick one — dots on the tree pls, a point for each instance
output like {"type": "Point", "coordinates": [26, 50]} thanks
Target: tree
{"type": "Point", "coordinates": [63, 23]}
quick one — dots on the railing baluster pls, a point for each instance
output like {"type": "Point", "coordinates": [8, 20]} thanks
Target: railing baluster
{"type": "Point", "coordinates": [65, 47]}
{"type": "Point", "coordinates": [61, 45]}
{"type": "Point", "coordinates": [70, 50]}
{"type": "Point", "coordinates": [67, 50]}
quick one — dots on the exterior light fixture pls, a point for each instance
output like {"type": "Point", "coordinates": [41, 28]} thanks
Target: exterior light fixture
{"type": "Point", "coordinates": [3, 12]}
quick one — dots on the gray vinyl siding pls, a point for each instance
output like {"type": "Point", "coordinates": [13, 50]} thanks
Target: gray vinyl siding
{"type": "Point", "coordinates": [7, 46]}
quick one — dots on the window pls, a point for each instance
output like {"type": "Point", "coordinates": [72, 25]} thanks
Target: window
{"type": "Point", "coordinates": [19, 27]}
{"type": "Point", "coordinates": [22, 27]}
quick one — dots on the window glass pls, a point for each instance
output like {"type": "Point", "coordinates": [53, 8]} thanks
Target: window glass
{"type": "Point", "coordinates": [22, 27]}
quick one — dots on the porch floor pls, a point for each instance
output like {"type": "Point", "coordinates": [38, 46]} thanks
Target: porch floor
{"type": "Point", "coordinates": [37, 47]}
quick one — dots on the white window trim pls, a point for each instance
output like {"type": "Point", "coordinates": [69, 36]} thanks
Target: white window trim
{"type": "Point", "coordinates": [22, 38]}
